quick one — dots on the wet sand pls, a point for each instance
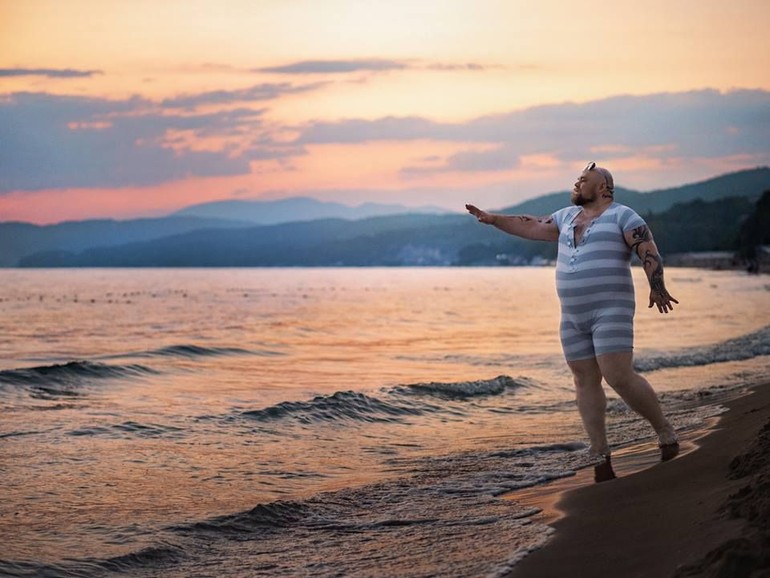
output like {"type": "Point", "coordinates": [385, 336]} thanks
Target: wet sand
{"type": "Point", "coordinates": [704, 513]}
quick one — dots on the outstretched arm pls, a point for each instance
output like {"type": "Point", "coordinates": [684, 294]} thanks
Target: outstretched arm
{"type": "Point", "coordinates": [641, 242]}
{"type": "Point", "coordinates": [535, 228]}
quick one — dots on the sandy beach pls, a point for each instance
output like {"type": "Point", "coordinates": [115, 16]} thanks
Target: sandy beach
{"type": "Point", "coordinates": [704, 513]}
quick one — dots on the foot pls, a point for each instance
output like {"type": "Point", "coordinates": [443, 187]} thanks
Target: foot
{"type": "Point", "coordinates": [604, 472]}
{"type": "Point", "coordinates": [668, 451]}
{"type": "Point", "coordinates": [668, 442]}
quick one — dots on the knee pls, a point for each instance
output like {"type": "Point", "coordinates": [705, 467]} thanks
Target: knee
{"type": "Point", "coordinates": [618, 370]}
{"type": "Point", "coordinates": [585, 382]}
{"type": "Point", "coordinates": [587, 379]}
{"type": "Point", "coordinates": [620, 379]}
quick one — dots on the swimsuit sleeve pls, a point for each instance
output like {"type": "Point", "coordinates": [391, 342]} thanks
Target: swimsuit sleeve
{"type": "Point", "coordinates": [629, 219]}
{"type": "Point", "coordinates": [559, 216]}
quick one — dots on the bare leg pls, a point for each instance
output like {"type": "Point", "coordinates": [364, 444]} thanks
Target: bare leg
{"type": "Point", "coordinates": [618, 371]}
{"type": "Point", "coordinates": [591, 402]}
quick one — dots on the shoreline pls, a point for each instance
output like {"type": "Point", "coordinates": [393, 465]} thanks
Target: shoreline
{"type": "Point", "coordinates": [656, 519]}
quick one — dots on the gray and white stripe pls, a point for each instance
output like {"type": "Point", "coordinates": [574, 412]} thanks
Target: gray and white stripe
{"type": "Point", "coordinates": [594, 282]}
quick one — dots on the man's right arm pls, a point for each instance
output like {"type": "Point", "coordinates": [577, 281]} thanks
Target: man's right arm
{"type": "Point", "coordinates": [525, 226]}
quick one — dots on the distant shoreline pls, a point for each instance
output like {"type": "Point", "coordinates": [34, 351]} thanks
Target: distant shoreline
{"type": "Point", "coordinates": [678, 261]}
{"type": "Point", "coordinates": [718, 261]}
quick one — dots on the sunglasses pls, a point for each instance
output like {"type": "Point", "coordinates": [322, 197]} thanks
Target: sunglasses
{"type": "Point", "coordinates": [589, 167]}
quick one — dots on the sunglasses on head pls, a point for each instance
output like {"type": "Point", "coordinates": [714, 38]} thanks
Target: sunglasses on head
{"type": "Point", "coordinates": [589, 167]}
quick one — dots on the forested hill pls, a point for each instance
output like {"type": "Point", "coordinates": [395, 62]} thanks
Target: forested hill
{"type": "Point", "coordinates": [749, 183]}
{"type": "Point", "coordinates": [415, 240]}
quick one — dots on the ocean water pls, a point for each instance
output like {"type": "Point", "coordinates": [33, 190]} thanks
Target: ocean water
{"type": "Point", "coordinates": [318, 422]}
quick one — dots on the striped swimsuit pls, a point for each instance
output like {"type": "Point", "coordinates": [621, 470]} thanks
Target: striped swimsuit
{"type": "Point", "coordinates": [594, 283]}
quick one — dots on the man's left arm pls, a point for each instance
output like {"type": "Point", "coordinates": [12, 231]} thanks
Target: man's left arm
{"type": "Point", "coordinates": [641, 242]}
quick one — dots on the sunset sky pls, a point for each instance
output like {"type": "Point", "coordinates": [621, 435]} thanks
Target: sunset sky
{"type": "Point", "coordinates": [137, 108]}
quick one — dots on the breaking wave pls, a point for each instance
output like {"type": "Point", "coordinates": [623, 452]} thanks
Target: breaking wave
{"type": "Point", "coordinates": [192, 351]}
{"type": "Point", "coordinates": [343, 405]}
{"type": "Point", "coordinates": [153, 557]}
{"type": "Point", "coordinates": [737, 349]}
{"type": "Point", "coordinates": [130, 429]}
{"type": "Point", "coordinates": [260, 519]}
{"type": "Point", "coordinates": [395, 405]}
{"type": "Point", "coordinates": [464, 389]}
{"type": "Point", "coordinates": [62, 380]}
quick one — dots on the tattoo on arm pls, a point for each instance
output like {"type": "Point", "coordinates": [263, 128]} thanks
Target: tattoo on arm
{"type": "Point", "coordinates": [653, 265]}
{"type": "Point", "coordinates": [640, 235]}
{"type": "Point", "coordinates": [526, 219]}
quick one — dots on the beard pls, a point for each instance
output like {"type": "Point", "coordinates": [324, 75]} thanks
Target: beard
{"type": "Point", "coordinates": [578, 200]}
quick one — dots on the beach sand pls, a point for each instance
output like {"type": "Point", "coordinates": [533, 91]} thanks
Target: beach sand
{"type": "Point", "coordinates": [704, 513]}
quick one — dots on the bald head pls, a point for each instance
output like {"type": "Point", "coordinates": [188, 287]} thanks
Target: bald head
{"type": "Point", "coordinates": [606, 175]}
{"type": "Point", "coordinates": [609, 181]}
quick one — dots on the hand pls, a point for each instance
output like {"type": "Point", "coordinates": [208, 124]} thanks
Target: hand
{"type": "Point", "coordinates": [663, 300]}
{"type": "Point", "coordinates": [482, 216]}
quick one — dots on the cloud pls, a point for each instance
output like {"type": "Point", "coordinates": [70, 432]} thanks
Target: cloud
{"type": "Point", "coordinates": [336, 66]}
{"type": "Point", "coordinates": [268, 149]}
{"type": "Point", "coordinates": [500, 158]}
{"type": "Point", "coordinates": [704, 123]}
{"type": "Point", "coordinates": [258, 92]}
{"type": "Point", "coordinates": [369, 65]}
{"type": "Point", "coordinates": [382, 129]}
{"type": "Point", "coordinates": [59, 141]}
{"type": "Point", "coordinates": [48, 72]}
{"type": "Point", "coordinates": [462, 67]}
{"type": "Point", "coordinates": [53, 141]}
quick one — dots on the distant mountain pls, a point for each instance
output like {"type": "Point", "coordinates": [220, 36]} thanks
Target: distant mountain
{"type": "Point", "coordinates": [404, 240]}
{"type": "Point", "coordinates": [748, 183]}
{"type": "Point", "coordinates": [323, 242]}
{"type": "Point", "coordinates": [18, 240]}
{"type": "Point", "coordinates": [296, 209]}
{"type": "Point", "coordinates": [411, 239]}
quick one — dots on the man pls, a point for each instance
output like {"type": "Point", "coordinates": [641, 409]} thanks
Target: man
{"type": "Point", "coordinates": [596, 238]}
